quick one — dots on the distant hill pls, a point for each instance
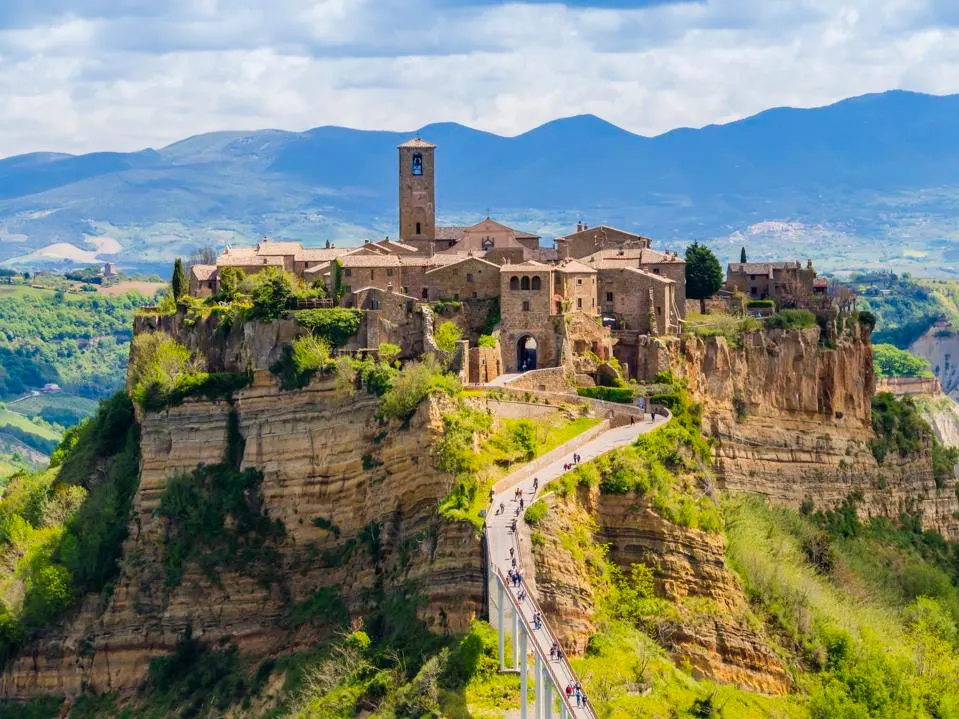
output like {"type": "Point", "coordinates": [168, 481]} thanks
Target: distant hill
{"type": "Point", "coordinates": [869, 181]}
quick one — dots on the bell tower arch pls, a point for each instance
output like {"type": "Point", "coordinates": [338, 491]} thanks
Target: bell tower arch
{"type": "Point", "coordinates": [417, 192]}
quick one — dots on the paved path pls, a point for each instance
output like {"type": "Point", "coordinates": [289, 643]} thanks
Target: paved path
{"type": "Point", "coordinates": [501, 538]}
{"type": "Point", "coordinates": [503, 379]}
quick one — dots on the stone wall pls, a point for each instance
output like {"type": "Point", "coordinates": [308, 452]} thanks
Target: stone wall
{"type": "Point", "coordinates": [485, 364]}
{"type": "Point", "coordinates": [913, 386]}
{"type": "Point", "coordinates": [553, 379]}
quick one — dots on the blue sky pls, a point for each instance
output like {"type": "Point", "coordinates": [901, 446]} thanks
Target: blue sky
{"type": "Point", "coordinates": [81, 75]}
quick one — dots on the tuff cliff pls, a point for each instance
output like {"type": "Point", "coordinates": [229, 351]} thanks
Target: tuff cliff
{"type": "Point", "coordinates": [791, 420]}
{"type": "Point", "coordinates": [708, 626]}
{"type": "Point", "coordinates": [357, 499]}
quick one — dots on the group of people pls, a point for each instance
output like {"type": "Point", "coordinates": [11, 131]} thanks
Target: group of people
{"type": "Point", "coordinates": [515, 577]}
{"type": "Point", "coordinates": [576, 689]}
{"type": "Point", "coordinates": [568, 466]}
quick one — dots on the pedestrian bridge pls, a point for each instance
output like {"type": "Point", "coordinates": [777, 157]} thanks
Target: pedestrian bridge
{"type": "Point", "coordinates": [512, 608]}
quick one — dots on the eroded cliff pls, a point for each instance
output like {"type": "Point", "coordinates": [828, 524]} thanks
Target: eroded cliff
{"type": "Point", "coordinates": [792, 421]}
{"type": "Point", "coordinates": [357, 500]}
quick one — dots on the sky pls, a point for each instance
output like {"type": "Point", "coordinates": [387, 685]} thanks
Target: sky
{"type": "Point", "coordinates": [85, 75]}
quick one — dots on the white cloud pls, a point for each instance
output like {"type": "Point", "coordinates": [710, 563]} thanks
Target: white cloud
{"type": "Point", "coordinates": [124, 75]}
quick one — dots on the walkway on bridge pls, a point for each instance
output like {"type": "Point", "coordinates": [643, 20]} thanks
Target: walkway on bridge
{"type": "Point", "coordinates": [552, 675]}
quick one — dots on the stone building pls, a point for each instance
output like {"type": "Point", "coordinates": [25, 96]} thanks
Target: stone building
{"type": "Point", "coordinates": [468, 278]}
{"type": "Point", "coordinates": [771, 280]}
{"type": "Point", "coordinates": [589, 240]}
{"type": "Point", "coordinates": [417, 193]}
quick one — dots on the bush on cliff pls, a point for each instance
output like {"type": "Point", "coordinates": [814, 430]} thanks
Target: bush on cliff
{"type": "Point", "coordinates": [447, 335]}
{"type": "Point", "coordinates": [791, 320]}
{"type": "Point", "coordinates": [271, 291]}
{"type": "Point", "coordinates": [413, 384]}
{"type": "Point", "coordinates": [890, 361]}
{"type": "Point", "coordinates": [898, 427]}
{"type": "Point", "coordinates": [333, 324]}
{"type": "Point", "coordinates": [64, 528]}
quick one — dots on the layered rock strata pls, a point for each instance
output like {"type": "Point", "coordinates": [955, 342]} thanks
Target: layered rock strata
{"type": "Point", "coordinates": [357, 498]}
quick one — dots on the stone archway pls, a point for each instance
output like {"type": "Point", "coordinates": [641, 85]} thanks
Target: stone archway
{"type": "Point", "coordinates": [526, 353]}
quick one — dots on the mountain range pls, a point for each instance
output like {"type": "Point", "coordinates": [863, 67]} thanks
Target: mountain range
{"type": "Point", "coordinates": [871, 181]}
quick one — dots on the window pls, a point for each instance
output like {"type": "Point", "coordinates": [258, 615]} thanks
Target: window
{"type": "Point", "coordinates": [474, 295]}
{"type": "Point", "coordinates": [418, 232]}
{"type": "Point", "coordinates": [579, 281]}
{"type": "Point", "coordinates": [514, 283]}
{"type": "Point", "coordinates": [659, 310]}
{"type": "Point", "coordinates": [406, 290]}
{"type": "Point", "coordinates": [525, 305]}
{"type": "Point", "coordinates": [425, 294]}
{"type": "Point", "coordinates": [417, 166]}
{"type": "Point", "coordinates": [609, 296]}
{"type": "Point", "coordinates": [389, 272]}
{"type": "Point", "coordinates": [579, 303]}
{"type": "Point", "coordinates": [347, 272]}
{"type": "Point", "coordinates": [469, 276]}
{"type": "Point", "coordinates": [655, 270]}
{"type": "Point", "coordinates": [524, 283]}
{"type": "Point", "coordinates": [371, 274]}
{"type": "Point", "coordinates": [537, 283]}
{"type": "Point", "coordinates": [456, 296]}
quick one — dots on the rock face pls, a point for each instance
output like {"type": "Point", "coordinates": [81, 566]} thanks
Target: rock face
{"type": "Point", "coordinates": [689, 569]}
{"type": "Point", "coordinates": [792, 421]}
{"type": "Point", "coordinates": [358, 502]}
{"type": "Point", "coordinates": [940, 345]}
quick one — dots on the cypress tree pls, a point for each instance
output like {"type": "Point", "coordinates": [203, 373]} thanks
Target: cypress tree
{"type": "Point", "coordinates": [742, 255]}
{"type": "Point", "coordinates": [178, 283]}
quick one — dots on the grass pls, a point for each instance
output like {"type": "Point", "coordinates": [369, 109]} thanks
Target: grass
{"type": "Point", "coordinates": [9, 418]}
{"type": "Point", "coordinates": [50, 404]}
{"type": "Point", "coordinates": [721, 325]}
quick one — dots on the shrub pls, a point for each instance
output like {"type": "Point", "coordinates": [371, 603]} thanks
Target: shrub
{"type": "Point", "coordinates": [523, 435]}
{"type": "Point", "coordinates": [535, 513]}
{"type": "Point", "coordinates": [413, 384]}
{"type": "Point", "coordinates": [791, 320]}
{"type": "Point", "coordinates": [890, 361]}
{"type": "Point", "coordinates": [447, 335]}
{"type": "Point", "coordinates": [622, 395]}
{"type": "Point", "coordinates": [760, 304]}
{"type": "Point", "coordinates": [271, 291]}
{"type": "Point", "coordinates": [311, 354]}
{"type": "Point", "coordinates": [229, 281]}
{"type": "Point", "coordinates": [334, 324]}
{"type": "Point", "coordinates": [388, 353]}
{"type": "Point", "coordinates": [898, 427]}
{"type": "Point", "coordinates": [487, 341]}
{"type": "Point", "coordinates": [867, 320]}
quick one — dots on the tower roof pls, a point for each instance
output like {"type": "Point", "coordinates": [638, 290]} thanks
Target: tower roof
{"type": "Point", "coordinates": [419, 142]}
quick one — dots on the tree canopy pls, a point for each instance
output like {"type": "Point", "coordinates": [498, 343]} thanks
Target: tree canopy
{"type": "Point", "coordinates": [890, 361]}
{"type": "Point", "coordinates": [704, 276]}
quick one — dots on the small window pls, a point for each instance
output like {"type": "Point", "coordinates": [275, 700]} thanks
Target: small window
{"type": "Point", "coordinates": [425, 294]}
{"type": "Point", "coordinates": [469, 276]}
{"type": "Point", "coordinates": [537, 283]}
{"type": "Point", "coordinates": [372, 275]}
{"type": "Point", "coordinates": [418, 229]}
{"type": "Point", "coordinates": [609, 296]}
{"type": "Point", "coordinates": [389, 272]}
{"type": "Point", "coordinates": [347, 272]}
{"type": "Point", "coordinates": [514, 283]}
{"type": "Point", "coordinates": [525, 305]}
{"type": "Point", "coordinates": [659, 310]}
{"type": "Point", "coordinates": [474, 295]}
{"type": "Point", "coordinates": [417, 168]}
{"type": "Point", "coordinates": [655, 270]}
{"type": "Point", "coordinates": [524, 283]}
{"type": "Point", "coordinates": [579, 281]}
{"type": "Point", "coordinates": [456, 296]}
{"type": "Point", "coordinates": [406, 290]}
{"type": "Point", "coordinates": [579, 303]}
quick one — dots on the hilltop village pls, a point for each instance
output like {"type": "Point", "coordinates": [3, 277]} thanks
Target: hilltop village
{"type": "Point", "coordinates": [599, 292]}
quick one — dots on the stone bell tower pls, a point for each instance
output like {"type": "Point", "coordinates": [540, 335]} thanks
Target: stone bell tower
{"type": "Point", "coordinates": [417, 193]}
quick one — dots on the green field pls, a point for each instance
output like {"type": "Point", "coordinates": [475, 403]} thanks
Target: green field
{"type": "Point", "coordinates": [59, 408]}
{"type": "Point", "coordinates": [15, 419]}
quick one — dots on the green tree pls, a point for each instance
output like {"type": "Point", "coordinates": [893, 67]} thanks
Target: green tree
{"type": "Point", "coordinates": [890, 361]}
{"type": "Point", "coordinates": [742, 255]}
{"type": "Point", "coordinates": [447, 335]}
{"type": "Point", "coordinates": [272, 291]}
{"type": "Point", "coordinates": [704, 276]}
{"type": "Point", "coordinates": [389, 352]}
{"type": "Point", "coordinates": [230, 279]}
{"type": "Point", "coordinates": [178, 282]}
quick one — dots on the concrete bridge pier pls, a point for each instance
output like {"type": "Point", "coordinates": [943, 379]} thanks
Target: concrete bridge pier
{"type": "Point", "coordinates": [523, 679]}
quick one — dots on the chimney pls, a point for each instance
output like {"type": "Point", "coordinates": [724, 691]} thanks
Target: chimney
{"type": "Point", "coordinates": [808, 264]}
{"type": "Point", "coordinates": [327, 244]}
{"type": "Point", "coordinates": [579, 226]}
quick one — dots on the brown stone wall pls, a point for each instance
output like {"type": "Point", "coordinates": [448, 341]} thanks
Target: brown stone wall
{"type": "Point", "coordinates": [553, 379]}
{"type": "Point", "coordinates": [914, 386]}
{"type": "Point", "coordinates": [485, 364]}
{"type": "Point", "coordinates": [579, 289]}
{"type": "Point", "coordinates": [358, 278]}
{"type": "Point", "coordinates": [470, 279]}
{"type": "Point", "coordinates": [537, 321]}
{"type": "Point", "coordinates": [631, 300]}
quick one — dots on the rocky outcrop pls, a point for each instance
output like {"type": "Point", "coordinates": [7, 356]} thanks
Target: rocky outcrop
{"type": "Point", "coordinates": [357, 499]}
{"type": "Point", "coordinates": [940, 346]}
{"type": "Point", "coordinates": [791, 419]}
{"type": "Point", "coordinates": [708, 626]}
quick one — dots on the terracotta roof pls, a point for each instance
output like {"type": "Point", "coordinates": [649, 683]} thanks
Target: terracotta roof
{"type": "Point", "coordinates": [763, 268]}
{"type": "Point", "coordinates": [642, 255]}
{"type": "Point", "coordinates": [269, 247]}
{"type": "Point", "coordinates": [380, 289]}
{"type": "Point", "coordinates": [590, 231]}
{"type": "Point", "coordinates": [418, 142]}
{"type": "Point", "coordinates": [394, 245]}
{"type": "Point", "coordinates": [468, 258]}
{"type": "Point", "coordinates": [249, 261]}
{"type": "Point", "coordinates": [370, 261]}
{"type": "Point", "coordinates": [322, 254]}
{"type": "Point", "coordinates": [574, 267]}
{"type": "Point", "coordinates": [450, 232]}
{"type": "Point", "coordinates": [203, 272]}
{"type": "Point", "coordinates": [440, 259]}
{"type": "Point", "coordinates": [322, 267]}
{"type": "Point", "coordinates": [605, 266]}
